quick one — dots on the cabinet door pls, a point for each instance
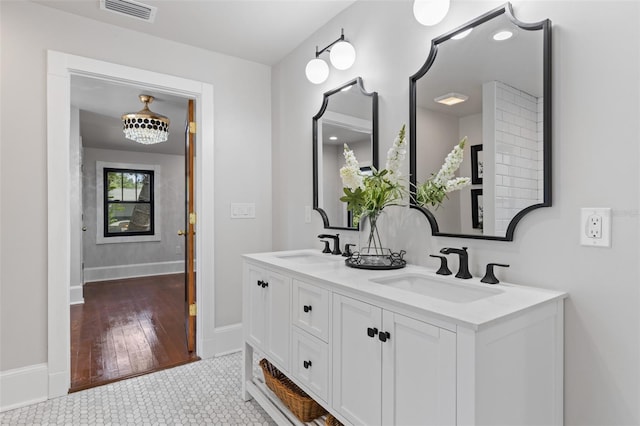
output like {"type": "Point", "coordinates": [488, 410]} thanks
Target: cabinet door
{"type": "Point", "coordinates": [255, 315]}
{"type": "Point", "coordinates": [418, 373]}
{"type": "Point", "coordinates": [357, 384]}
{"type": "Point", "coordinates": [278, 319]}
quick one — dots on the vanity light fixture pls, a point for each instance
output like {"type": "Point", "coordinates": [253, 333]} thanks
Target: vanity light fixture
{"type": "Point", "coordinates": [503, 35]}
{"type": "Point", "coordinates": [430, 12]}
{"type": "Point", "coordinates": [341, 54]}
{"type": "Point", "coordinates": [451, 99]}
{"type": "Point", "coordinates": [145, 126]}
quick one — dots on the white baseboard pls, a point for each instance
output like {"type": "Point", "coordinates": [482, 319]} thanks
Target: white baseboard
{"type": "Point", "coordinates": [75, 295]}
{"type": "Point", "coordinates": [23, 386]}
{"type": "Point", "coordinates": [226, 340]}
{"type": "Point", "coordinates": [106, 273]}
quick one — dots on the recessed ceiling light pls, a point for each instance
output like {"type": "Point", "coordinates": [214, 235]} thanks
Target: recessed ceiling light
{"type": "Point", "coordinates": [451, 98]}
{"type": "Point", "coordinates": [502, 35]}
{"type": "Point", "coordinates": [333, 138]}
{"type": "Point", "coordinates": [462, 34]}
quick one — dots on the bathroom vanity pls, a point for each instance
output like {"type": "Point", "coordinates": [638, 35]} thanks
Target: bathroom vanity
{"type": "Point", "coordinates": [402, 347]}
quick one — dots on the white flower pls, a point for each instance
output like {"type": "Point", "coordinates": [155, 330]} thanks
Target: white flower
{"type": "Point", "coordinates": [457, 183]}
{"type": "Point", "coordinates": [395, 157]}
{"type": "Point", "coordinates": [451, 164]}
{"type": "Point", "coordinates": [350, 173]}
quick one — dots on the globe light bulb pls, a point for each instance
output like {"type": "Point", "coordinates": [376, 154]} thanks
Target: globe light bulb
{"type": "Point", "coordinates": [430, 12]}
{"type": "Point", "coordinates": [342, 55]}
{"type": "Point", "coordinates": [317, 71]}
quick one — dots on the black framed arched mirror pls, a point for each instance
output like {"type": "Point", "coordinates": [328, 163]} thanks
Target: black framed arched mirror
{"type": "Point", "coordinates": [502, 86]}
{"type": "Point", "coordinates": [349, 114]}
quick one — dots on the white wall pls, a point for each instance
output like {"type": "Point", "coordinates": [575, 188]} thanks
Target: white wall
{"type": "Point", "coordinates": [596, 51]}
{"type": "Point", "coordinates": [170, 216]}
{"type": "Point", "coordinates": [242, 136]}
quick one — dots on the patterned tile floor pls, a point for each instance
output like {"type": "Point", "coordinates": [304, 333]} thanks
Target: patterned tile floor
{"type": "Point", "coordinates": [205, 392]}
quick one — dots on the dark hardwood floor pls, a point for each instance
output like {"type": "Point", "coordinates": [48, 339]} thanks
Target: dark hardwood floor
{"type": "Point", "coordinates": [126, 328]}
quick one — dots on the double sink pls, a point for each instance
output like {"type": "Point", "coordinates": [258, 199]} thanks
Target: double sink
{"type": "Point", "coordinates": [447, 289]}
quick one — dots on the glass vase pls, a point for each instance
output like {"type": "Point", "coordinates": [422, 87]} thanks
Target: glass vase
{"type": "Point", "coordinates": [372, 253]}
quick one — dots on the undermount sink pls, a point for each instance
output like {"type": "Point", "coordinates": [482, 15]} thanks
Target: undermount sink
{"type": "Point", "coordinates": [310, 258]}
{"type": "Point", "coordinates": [428, 286]}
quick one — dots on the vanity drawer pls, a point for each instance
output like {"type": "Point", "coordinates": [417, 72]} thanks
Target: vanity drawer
{"type": "Point", "coordinates": [310, 362]}
{"type": "Point", "coordinates": [310, 309]}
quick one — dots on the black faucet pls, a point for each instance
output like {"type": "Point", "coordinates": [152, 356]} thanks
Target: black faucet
{"type": "Point", "coordinates": [463, 269]}
{"type": "Point", "coordinates": [336, 242]}
{"type": "Point", "coordinates": [347, 250]}
{"type": "Point", "coordinates": [489, 276]}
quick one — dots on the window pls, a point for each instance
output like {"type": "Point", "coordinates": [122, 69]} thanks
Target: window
{"type": "Point", "coordinates": [128, 202]}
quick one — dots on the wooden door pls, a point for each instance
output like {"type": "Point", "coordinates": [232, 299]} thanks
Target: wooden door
{"type": "Point", "coordinates": [357, 361]}
{"type": "Point", "coordinates": [190, 218]}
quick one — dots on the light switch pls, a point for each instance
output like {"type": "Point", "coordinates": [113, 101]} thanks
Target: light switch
{"type": "Point", "coordinates": [243, 210]}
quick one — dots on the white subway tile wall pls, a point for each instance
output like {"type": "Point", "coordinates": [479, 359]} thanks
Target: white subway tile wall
{"type": "Point", "coordinates": [518, 154]}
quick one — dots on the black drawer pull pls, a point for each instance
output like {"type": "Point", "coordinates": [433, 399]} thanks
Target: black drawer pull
{"type": "Point", "coordinates": [306, 364]}
{"type": "Point", "coordinates": [307, 308]}
{"type": "Point", "coordinates": [384, 335]}
{"type": "Point", "coordinates": [372, 331]}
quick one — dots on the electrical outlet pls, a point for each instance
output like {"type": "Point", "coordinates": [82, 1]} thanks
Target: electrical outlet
{"type": "Point", "coordinates": [595, 227]}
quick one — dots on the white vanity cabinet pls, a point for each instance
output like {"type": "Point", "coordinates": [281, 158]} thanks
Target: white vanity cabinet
{"type": "Point", "coordinates": [390, 369]}
{"type": "Point", "coordinates": [266, 317]}
{"type": "Point", "coordinates": [459, 353]}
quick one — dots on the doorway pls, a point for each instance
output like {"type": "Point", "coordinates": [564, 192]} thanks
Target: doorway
{"type": "Point", "coordinates": [61, 67]}
{"type": "Point", "coordinates": [138, 244]}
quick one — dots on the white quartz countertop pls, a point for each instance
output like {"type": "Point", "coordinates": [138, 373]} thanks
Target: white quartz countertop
{"type": "Point", "coordinates": [496, 301]}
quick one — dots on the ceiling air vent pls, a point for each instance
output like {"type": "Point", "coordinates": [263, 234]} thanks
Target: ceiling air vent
{"type": "Point", "coordinates": [130, 8]}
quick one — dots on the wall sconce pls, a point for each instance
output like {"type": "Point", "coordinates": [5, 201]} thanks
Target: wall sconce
{"type": "Point", "coordinates": [342, 56]}
{"type": "Point", "coordinates": [430, 12]}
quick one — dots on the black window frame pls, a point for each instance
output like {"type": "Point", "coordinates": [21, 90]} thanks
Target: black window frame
{"type": "Point", "coordinates": [106, 201]}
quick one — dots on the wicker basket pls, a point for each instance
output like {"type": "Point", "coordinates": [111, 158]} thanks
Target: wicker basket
{"type": "Point", "coordinates": [332, 421]}
{"type": "Point", "coordinates": [300, 404]}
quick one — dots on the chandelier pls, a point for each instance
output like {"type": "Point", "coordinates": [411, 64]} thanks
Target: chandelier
{"type": "Point", "coordinates": [145, 126]}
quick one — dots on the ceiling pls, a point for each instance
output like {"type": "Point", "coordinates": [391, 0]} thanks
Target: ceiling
{"type": "Point", "coordinates": [263, 31]}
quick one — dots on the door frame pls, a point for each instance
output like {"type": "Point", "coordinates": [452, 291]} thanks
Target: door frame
{"type": "Point", "coordinates": [60, 68]}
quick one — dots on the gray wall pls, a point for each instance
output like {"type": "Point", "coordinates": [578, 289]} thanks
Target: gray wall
{"type": "Point", "coordinates": [242, 126]}
{"type": "Point", "coordinates": [171, 189]}
{"type": "Point", "coordinates": [596, 162]}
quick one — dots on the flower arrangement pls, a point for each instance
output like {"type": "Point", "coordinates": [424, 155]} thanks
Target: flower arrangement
{"type": "Point", "coordinates": [435, 189]}
{"type": "Point", "coordinates": [368, 194]}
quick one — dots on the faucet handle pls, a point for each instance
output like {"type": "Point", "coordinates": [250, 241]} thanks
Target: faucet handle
{"type": "Point", "coordinates": [444, 268]}
{"type": "Point", "coordinates": [326, 246]}
{"type": "Point", "coordinates": [347, 250]}
{"type": "Point", "coordinates": [489, 276]}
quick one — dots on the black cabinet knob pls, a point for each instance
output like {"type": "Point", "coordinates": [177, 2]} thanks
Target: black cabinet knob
{"type": "Point", "coordinates": [306, 364]}
{"type": "Point", "coordinates": [265, 284]}
{"type": "Point", "coordinates": [260, 283]}
{"type": "Point", "coordinates": [307, 308]}
{"type": "Point", "coordinates": [384, 336]}
{"type": "Point", "coordinates": [371, 332]}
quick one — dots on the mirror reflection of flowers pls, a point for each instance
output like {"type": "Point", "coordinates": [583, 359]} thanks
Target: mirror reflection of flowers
{"type": "Point", "coordinates": [435, 189]}
{"type": "Point", "coordinates": [367, 195]}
